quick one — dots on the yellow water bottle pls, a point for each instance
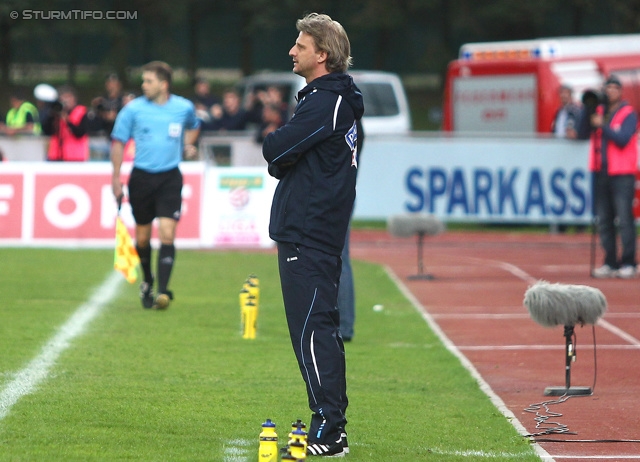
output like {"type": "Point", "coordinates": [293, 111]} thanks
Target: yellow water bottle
{"type": "Point", "coordinates": [298, 442]}
{"type": "Point", "coordinates": [244, 293]}
{"type": "Point", "coordinates": [298, 450]}
{"type": "Point", "coordinates": [298, 425]}
{"type": "Point", "coordinates": [268, 451]}
{"type": "Point", "coordinates": [250, 321]}
{"type": "Point", "coordinates": [252, 284]}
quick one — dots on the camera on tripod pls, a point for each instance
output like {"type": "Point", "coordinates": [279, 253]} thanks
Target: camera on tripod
{"type": "Point", "coordinates": [591, 99]}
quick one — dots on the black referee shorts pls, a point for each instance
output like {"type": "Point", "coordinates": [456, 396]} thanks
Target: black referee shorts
{"type": "Point", "coordinates": [154, 195]}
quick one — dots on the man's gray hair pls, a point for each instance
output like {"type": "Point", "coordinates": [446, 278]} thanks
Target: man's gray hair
{"type": "Point", "coordinates": [329, 36]}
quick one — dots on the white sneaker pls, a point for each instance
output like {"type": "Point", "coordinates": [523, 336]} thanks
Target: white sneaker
{"type": "Point", "coordinates": [627, 272]}
{"type": "Point", "coordinates": [605, 271]}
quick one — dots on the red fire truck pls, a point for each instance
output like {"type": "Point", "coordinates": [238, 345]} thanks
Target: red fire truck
{"type": "Point", "coordinates": [513, 86]}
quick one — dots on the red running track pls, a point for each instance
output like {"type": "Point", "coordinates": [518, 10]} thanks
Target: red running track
{"type": "Point", "coordinates": [476, 300]}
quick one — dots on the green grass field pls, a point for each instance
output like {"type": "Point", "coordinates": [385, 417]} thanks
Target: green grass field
{"type": "Point", "coordinates": [182, 385]}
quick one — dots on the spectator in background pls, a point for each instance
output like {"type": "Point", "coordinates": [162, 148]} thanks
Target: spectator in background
{"type": "Point", "coordinates": [566, 125]}
{"type": "Point", "coordinates": [565, 122]}
{"type": "Point", "coordinates": [260, 98]}
{"type": "Point", "coordinates": [231, 116]}
{"type": "Point", "coordinates": [254, 104]}
{"type": "Point", "coordinates": [68, 127]}
{"type": "Point", "coordinates": [275, 98]}
{"type": "Point", "coordinates": [613, 159]}
{"type": "Point", "coordinates": [22, 118]}
{"type": "Point", "coordinates": [204, 103]}
{"type": "Point", "coordinates": [104, 109]}
{"type": "Point", "coordinates": [272, 119]}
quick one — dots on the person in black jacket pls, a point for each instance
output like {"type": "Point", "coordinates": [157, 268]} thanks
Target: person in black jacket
{"type": "Point", "coordinates": [315, 157]}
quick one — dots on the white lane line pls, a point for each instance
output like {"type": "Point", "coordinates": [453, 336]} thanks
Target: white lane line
{"type": "Point", "coordinates": [449, 345]}
{"type": "Point", "coordinates": [619, 332]}
{"type": "Point", "coordinates": [590, 457]}
{"type": "Point", "coordinates": [517, 272]}
{"type": "Point", "coordinates": [457, 316]}
{"type": "Point", "coordinates": [37, 370]}
{"type": "Point", "coordinates": [544, 347]}
{"type": "Point", "coordinates": [565, 268]}
{"type": "Point", "coordinates": [509, 315]}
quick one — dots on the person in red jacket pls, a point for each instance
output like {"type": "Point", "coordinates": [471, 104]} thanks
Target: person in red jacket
{"type": "Point", "coordinates": [613, 159]}
{"type": "Point", "coordinates": [67, 126]}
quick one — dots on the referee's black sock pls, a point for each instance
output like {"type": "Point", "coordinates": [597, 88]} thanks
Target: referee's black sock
{"type": "Point", "coordinates": [144, 253]}
{"type": "Point", "coordinates": [165, 265]}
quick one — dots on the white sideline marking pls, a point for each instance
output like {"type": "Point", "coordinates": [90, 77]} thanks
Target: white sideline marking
{"type": "Point", "coordinates": [449, 345]}
{"type": "Point", "coordinates": [237, 451]}
{"type": "Point", "coordinates": [37, 370]}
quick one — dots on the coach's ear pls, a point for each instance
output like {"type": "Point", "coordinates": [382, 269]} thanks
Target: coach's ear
{"type": "Point", "coordinates": [322, 56]}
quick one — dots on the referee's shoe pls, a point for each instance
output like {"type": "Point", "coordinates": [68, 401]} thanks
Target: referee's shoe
{"type": "Point", "coordinates": [146, 294]}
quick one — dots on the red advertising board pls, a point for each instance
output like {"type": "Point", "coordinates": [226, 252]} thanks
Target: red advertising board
{"type": "Point", "coordinates": [11, 194]}
{"type": "Point", "coordinates": [81, 206]}
{"type": "Point", "coordinates": [73, 203]}
{"type": "Point", "coordinates": [69, 206]}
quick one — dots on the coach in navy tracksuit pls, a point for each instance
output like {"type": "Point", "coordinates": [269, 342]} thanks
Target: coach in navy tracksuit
{"type": "Point", "coordinates": [315, 157]}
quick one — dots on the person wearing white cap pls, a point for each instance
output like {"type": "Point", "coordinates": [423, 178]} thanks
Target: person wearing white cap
{"type": "Point", "coordinates": [67, 126]}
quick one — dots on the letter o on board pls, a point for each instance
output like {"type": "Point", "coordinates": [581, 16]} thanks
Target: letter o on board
{"type": "Point", "coordinates": [70, 192]}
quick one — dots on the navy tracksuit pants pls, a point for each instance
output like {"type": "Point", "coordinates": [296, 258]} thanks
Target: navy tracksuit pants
{"type": "Point", "coordinates": [310, 280]}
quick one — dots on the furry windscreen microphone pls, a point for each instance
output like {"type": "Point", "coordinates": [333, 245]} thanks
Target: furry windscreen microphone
{"type": "Point", "coordinates": [564, 304]}
{"type": "Point", "coordinates": [410, 224]}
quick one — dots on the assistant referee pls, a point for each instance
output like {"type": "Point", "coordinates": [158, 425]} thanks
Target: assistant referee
{"type": "Point", "coordinates": [164, 127]}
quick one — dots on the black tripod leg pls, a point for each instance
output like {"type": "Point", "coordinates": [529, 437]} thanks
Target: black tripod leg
{"type": "Point", "coordinates": [594, 244]}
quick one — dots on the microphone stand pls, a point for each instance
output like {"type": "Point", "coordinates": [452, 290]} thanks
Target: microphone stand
{"type": "Point", "coordinates": [570, 357]}
{"type": "Point", "coordinates": [421, 274]}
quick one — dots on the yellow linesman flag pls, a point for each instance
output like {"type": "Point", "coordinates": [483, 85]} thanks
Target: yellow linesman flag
{"type": "Point", "coordinates": [126, 258]}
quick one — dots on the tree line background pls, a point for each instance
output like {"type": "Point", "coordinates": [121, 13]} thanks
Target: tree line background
{"type": "Point", "coordinates": [410, 37]}
{"type": "Point", "coordinates": [405, 36]}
